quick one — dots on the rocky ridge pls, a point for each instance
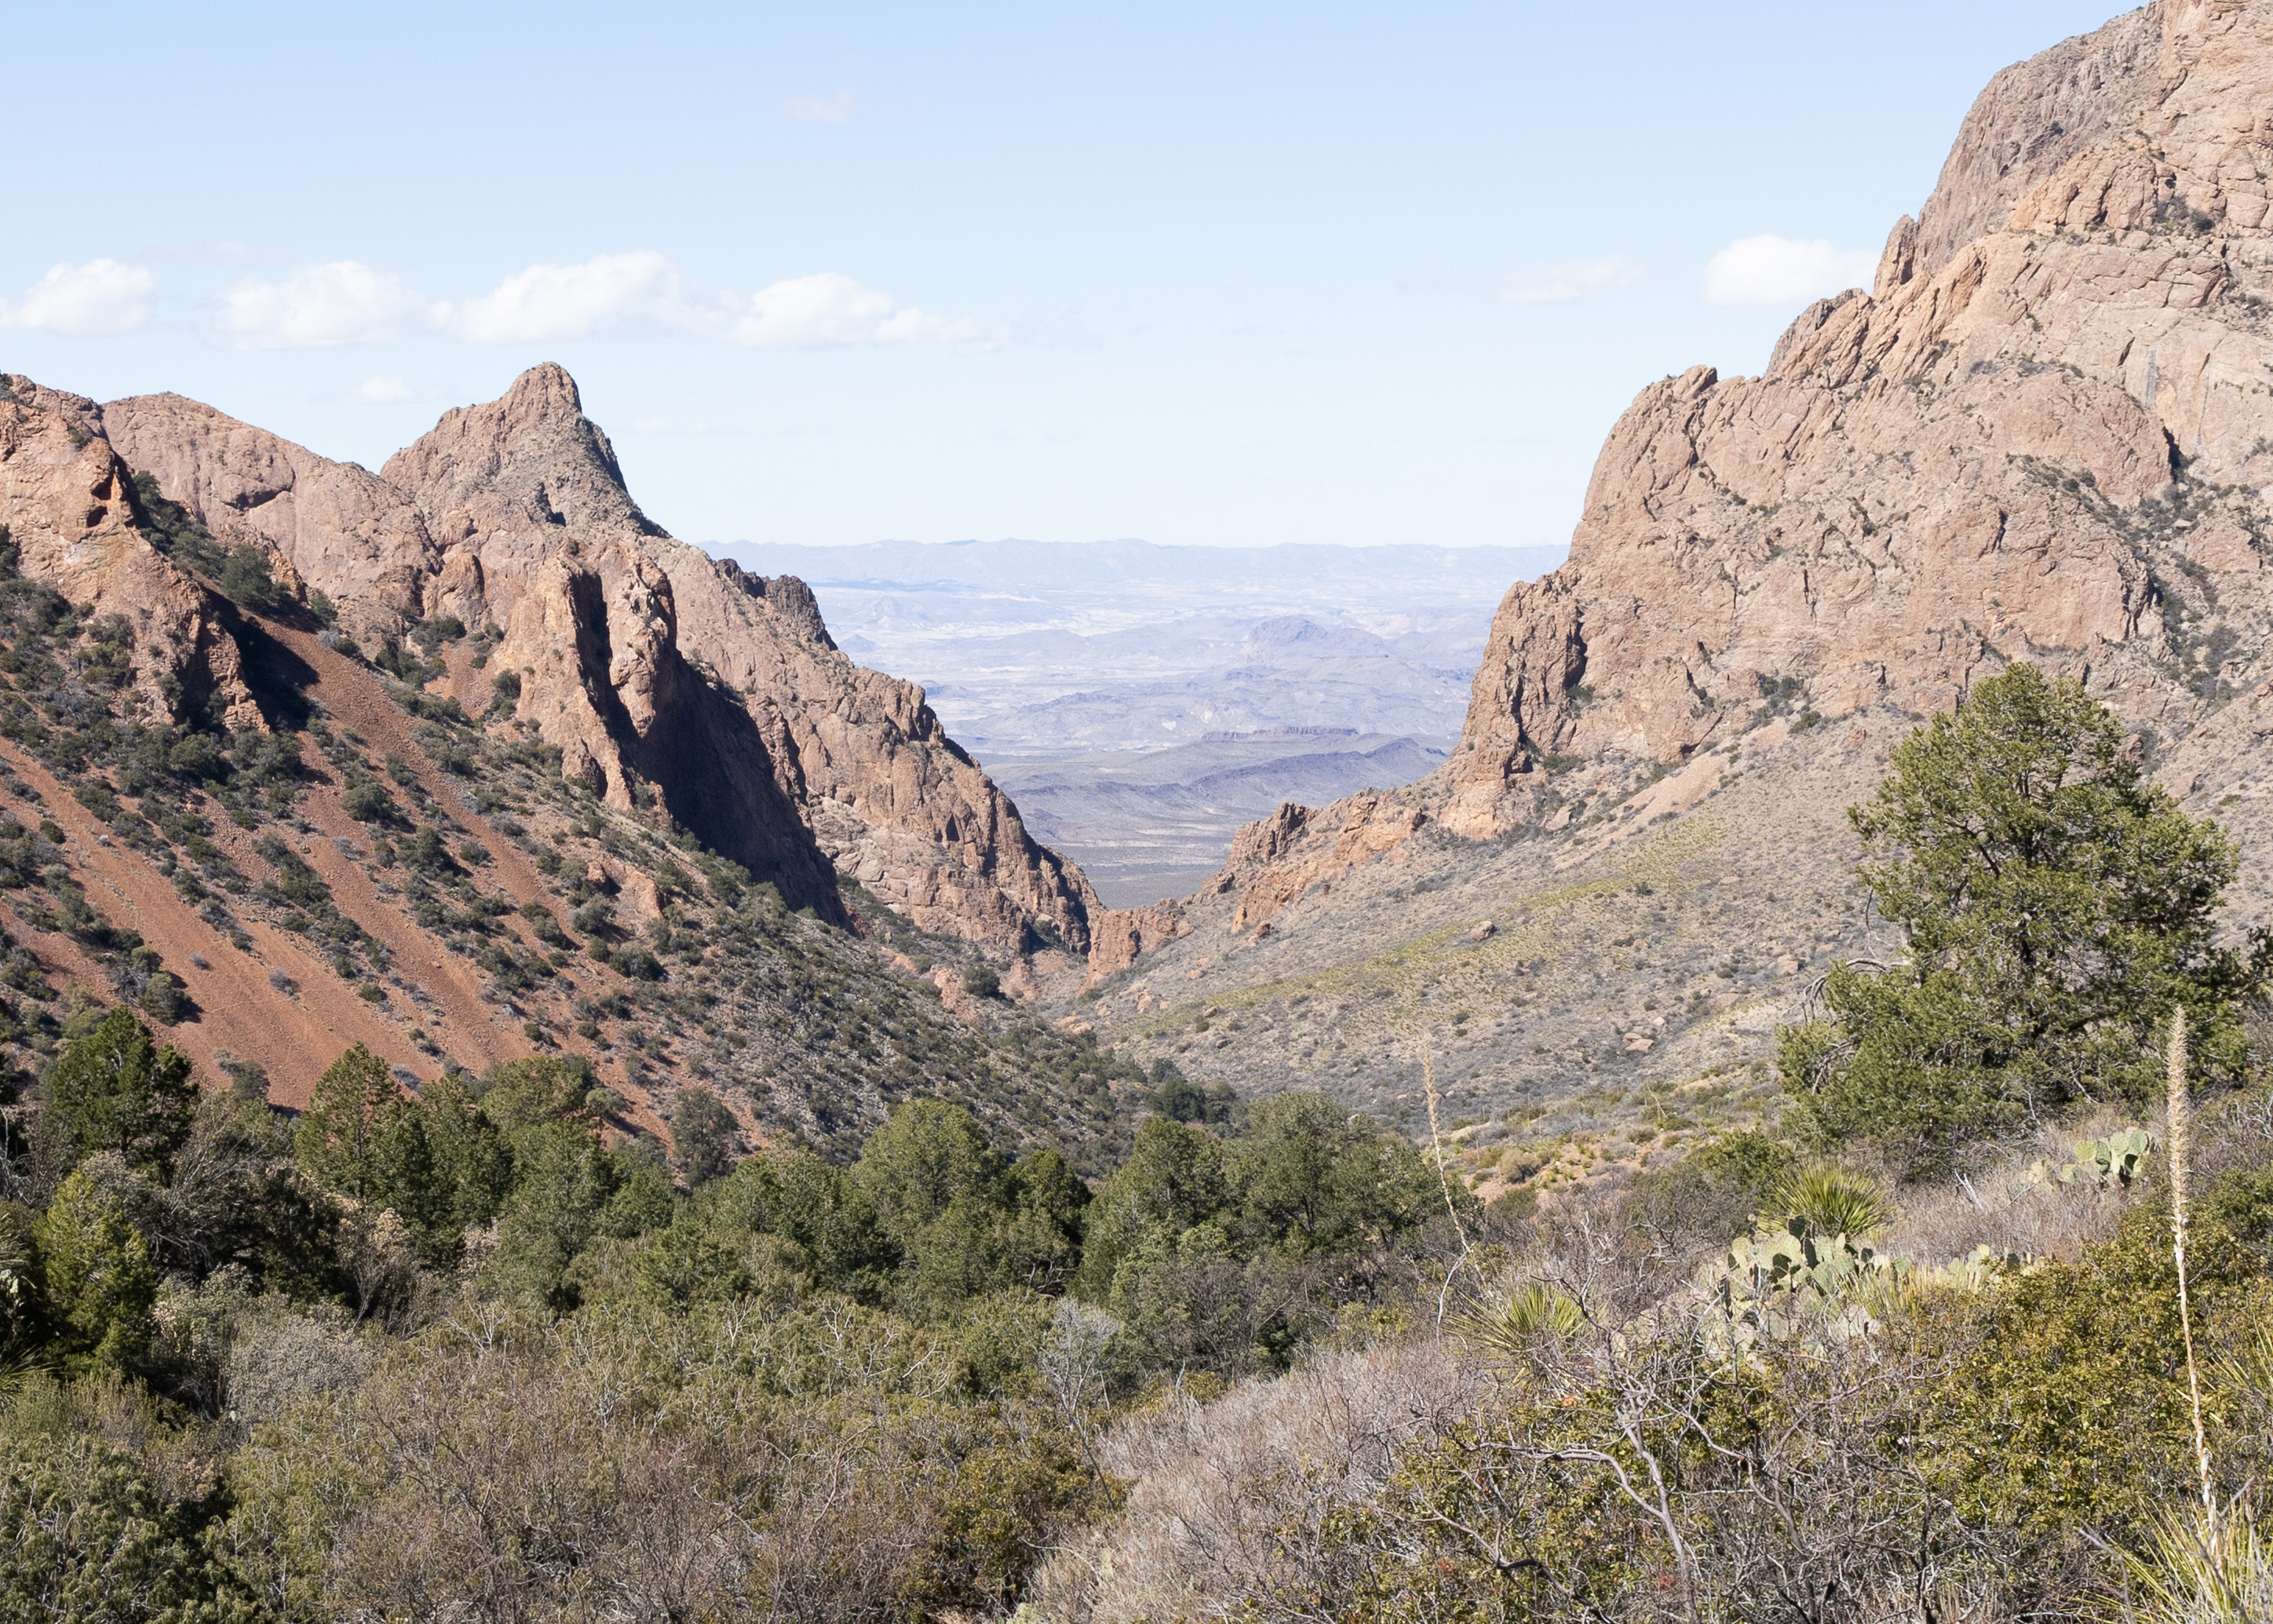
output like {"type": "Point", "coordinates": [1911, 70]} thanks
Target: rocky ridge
{"type": "Point", "coordinates": [2044, 435]}
{"type": "Point", "coordinates": [261, 777]}
{"type": "Point", "coordinates": [675, 686]}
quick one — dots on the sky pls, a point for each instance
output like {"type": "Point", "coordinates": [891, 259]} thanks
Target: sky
{"type": "Point", "coordinates": [1216, 274]}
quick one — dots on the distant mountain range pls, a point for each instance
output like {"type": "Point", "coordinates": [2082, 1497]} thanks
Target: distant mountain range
{"type": "Point", "coordinates": [1069, 648]}
{"type": "Point", "coordinates": [1265, 674]}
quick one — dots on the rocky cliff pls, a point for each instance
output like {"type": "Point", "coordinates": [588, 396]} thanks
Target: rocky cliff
{"type": "Point", "coordinates": [676, 686]}
{"type": "Point", "coordinates": [68, 508]}
{"type": "Point", "coordinates": [2042, 435]}
{"type": "Point", "coordinates": [276, 838]}
{"type": "Point", "coordinates": [2046, 433]}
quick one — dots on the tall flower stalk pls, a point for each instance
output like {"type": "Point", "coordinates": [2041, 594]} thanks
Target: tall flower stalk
{"type": "Point", "coordinates": [2179, 1151]}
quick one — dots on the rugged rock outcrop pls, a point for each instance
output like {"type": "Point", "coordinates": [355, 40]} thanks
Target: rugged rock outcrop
{"type": "Point", "coordinates": [2044, 435]}
{"type": "Point", "coordinates": [341, 527]}
{"type": "Point", "coordinates": [672, 683]}
{"type": "Point", "coordinates": [67, 506]}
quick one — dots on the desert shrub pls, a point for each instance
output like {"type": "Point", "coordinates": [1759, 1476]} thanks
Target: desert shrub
{"type": "Point", "coordinates": [366, 801]}
{"type": "Point", "coordinates": [704, 1135]}
{"type": "Point", "coordinates": [243, 575]}
{"type": "Point", "coordinates": [1710, 1195]}
{"type": "Point", "coordinates": [86, 1538]}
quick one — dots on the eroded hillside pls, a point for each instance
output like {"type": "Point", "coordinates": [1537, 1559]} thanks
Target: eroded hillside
{"type": "Point", "coordinates": [283, 822]}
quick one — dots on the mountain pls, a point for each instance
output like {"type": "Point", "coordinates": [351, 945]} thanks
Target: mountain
{"type": "Point", "coordinates": [1062, 649]}
{"type": "Point", "coordinates": [661, 674]}
{"type": "Point", "coordinates": [468, 760]}
{"type": "Point", "coordinates": [1142, 702]}
{"type": "Point", "coordinates": [2043, 434]}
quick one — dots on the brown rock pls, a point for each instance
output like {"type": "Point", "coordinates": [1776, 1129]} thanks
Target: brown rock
{"type": "Point", "coordinates": [1969, 467]}
{"type": "Point", "coordinates": [1120, 935]}
{"type": "Point", "coordinates": [347, 530]}
{"type": "Point", "coordinates": [68, 502]}
{"type": "Point", "coordinates": [2044, 435]}
{"type": "Point", "coordinates": [674, 685]}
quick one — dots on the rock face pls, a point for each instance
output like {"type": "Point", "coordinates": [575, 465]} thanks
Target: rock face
{"type": "Point", "coordinates": [672, 683]}
{"type": "Point", "coordinates": [67, 503]}
{"type": "Point", "coordinates": [2050, 407]}
{"type": "Point", "coordinates": [2044, 435]}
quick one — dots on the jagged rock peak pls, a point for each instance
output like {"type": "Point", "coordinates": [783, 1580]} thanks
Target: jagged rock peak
{"type": "Point", "coordinates": [2050, 408]}
{"type": "Point", "coordinates": [2043, 434]}
{"type": "Point", "coordinates": [675, 685]}
{"type": "Point", "coordinates": [69, 509]}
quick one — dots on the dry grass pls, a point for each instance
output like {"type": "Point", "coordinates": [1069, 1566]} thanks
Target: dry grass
{"type": "Point", "coordinates": [1997, 1205]}
{"type": "Point", "coordinates": [1226, 1496]}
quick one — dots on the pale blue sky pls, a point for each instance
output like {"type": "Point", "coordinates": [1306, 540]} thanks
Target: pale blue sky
{"type": "Point", "coordinates": [1214, 274]}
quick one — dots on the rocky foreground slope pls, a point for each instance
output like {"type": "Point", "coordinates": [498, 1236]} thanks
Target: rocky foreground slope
{"type": "Point", "coordinates": [2046, 433]}
{"type": "Point", "coordinates": [468, 760]}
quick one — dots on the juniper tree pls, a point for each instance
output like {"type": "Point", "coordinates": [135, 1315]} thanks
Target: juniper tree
{"type": "Point", "coordinates": [116, 1089]}
{"type": "Point", "coordinates": [2057, 905]}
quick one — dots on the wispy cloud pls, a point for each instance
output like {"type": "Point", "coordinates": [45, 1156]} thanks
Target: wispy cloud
{"type": "Point", "coordinates": [1772, 272]}
{"type": "Point", "coordinates": [383, 388]}
{"type": "Point", "coordinates": [638, 294]}
{"type": "Point", "coordinates": [320, 305]}
{"type": "Point", "coordinates": [100, 298]}
{"type": "Point", "coordinates": [834, 109]}
{"type": "Point", "coordinates": [645, 294]}
{"type": "Point", "coordinates": [1563, 282]}
{"type": "Point", "coordinates": [1568, 281]}
{"type": "Point", "coordinates": [812, 313]}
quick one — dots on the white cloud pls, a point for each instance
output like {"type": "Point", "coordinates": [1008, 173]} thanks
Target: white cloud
{"type": "Point", "coordinates": [384, 387]}
{"type": "Point", "coordinates": [1572, 280]}
{"type": "Point", "coordinates": [644, 292]}
{"type": "Point", "coordinates": [84, 301]}
{"type": "Point", "coordinates": [632, 295]}
{"type": "Point", "coordinates": [834, 109]}
{"type": "Point", "coordinates": [342, 303]}
{"type": "Point", "coordinates": [812, 313]}
{"type": "Point", "coordinates": [546, 302]}
{"type": "Point", "coordinates": [1775, 271]}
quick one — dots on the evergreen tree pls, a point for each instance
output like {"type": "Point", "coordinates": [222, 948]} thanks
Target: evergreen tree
{"type": "Point", "coordinates": [703, 1136]}
{"type": "Point", "coordinates": [115, 1089]}
{"type": "Point", "coordinates": [101, 1284]}
{"type": "Point", "coordinates": [2057, 905]}
{"type": "Point", "coordinates": [354, 1135]}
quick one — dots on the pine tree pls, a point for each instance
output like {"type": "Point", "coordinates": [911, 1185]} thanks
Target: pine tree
{"type": "Point", "coordinates": [2057, 904]}
{"type": "Point", "coordinates": [116, 1089]}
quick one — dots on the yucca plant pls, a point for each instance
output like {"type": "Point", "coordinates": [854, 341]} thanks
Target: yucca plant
{"type": "Point", "coordinates": [1515, 1323]}
{"type": "Point", "coordinates": [2204, 1570]}
{"type": "Point", "coordinates": [2175, 1068]}
{"type": "Point", "coordinates": [1832, 1200]}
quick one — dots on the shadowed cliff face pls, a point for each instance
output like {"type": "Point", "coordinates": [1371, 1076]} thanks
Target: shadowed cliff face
{"type": "Point", "coordinates": [674, 685]}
